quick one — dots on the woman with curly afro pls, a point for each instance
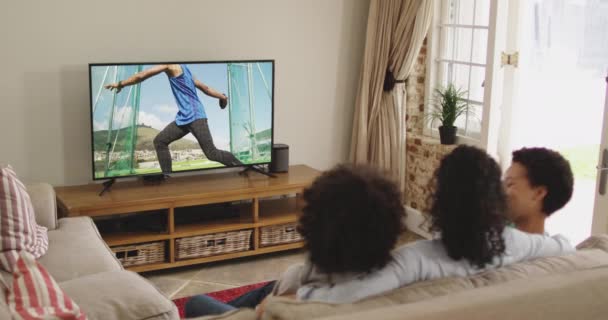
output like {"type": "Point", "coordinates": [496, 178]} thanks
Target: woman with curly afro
{"type": "Point", "coordinates": [350, 222]}
{"type": "Point", "coordinates": [468, 213]}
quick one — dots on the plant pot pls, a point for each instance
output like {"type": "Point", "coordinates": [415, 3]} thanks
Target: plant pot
{"type": "Point", "coordinates": [447, 135]}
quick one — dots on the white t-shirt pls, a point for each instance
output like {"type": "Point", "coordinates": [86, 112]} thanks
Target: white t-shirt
{"type": "Point", "coordinates": [426, 260]}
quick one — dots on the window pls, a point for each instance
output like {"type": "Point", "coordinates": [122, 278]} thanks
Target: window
{"type": "Point", "coordinates": [459, 41]}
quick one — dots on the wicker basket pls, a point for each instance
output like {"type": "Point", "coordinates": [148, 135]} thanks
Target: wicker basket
{"type": "Point", "coordinates": [145, 253]}
{"type": "Point", "coordinates": [278, 234]}
{"type": "Point", "coordinates": [212, 244]}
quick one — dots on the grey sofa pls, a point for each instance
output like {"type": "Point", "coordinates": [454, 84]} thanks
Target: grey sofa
{"type": "Point", "coordinates": [85, 268]}
{"type": "Point", "coordinates": [571, 286]}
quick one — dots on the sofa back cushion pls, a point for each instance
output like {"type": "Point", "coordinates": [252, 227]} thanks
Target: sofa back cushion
{"type": "Point", "coordinates": [283, 308]}
{"type": "Point", "coordinates": [286, 308]}
{"type": "Point", "coordinates": [44, 202]}
{"type": "Point", "coordinates": [580, 260]}
{"type": "Point", "coordinates": [580, 294]}
{"type": "Point", "coordinates": [18, 228]}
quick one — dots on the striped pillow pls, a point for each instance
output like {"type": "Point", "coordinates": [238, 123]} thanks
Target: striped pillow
{"type": "Point", "coordinates": [34, 294]}
{"type": "Point", "coordinates": [18, 228]}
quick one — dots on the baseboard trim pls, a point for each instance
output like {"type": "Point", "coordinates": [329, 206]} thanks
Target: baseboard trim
{"type": "Point", "coordinates": [416, 223]}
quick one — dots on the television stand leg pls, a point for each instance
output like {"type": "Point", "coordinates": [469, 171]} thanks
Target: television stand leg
{"type": "Point", "coordinates": [107, 185]}
{"type": "Point", "coordinates": [258, 170]}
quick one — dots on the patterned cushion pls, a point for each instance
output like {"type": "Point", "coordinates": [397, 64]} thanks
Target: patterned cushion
{"type": "Point", "coordinates": [18, 228]}
{"type": "Point", "coordinates": [35, 295]}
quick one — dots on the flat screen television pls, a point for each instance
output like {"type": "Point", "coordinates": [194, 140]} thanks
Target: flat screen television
{"type": "Point", "coordinates": [161, 118]}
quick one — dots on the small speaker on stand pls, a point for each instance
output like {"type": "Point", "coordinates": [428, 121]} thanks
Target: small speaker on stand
{"type": "Point", "coordinates": [280, 158]}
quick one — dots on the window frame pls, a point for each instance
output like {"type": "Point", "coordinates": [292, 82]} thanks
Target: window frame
{"type": "Point", "coordinates": [436, 42]}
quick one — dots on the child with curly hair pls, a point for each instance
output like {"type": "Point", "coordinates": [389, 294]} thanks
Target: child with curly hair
{"type": "Point", "coordinates": [350, 222]}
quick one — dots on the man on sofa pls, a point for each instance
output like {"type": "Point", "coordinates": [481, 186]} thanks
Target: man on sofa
{"type": "Point", "coordinates": [538, 183]}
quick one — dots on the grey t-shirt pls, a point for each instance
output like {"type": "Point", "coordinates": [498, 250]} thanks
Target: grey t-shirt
{"type": "Point", "coordinates": [418, 261]}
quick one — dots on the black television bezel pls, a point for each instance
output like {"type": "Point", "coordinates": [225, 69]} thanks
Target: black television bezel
{"type": "Point", "coordinates": [92, 151]}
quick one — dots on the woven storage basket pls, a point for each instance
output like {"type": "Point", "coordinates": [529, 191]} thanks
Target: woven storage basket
{"type": "Point", "coordinates": [145, 253]}
{"type": "Point", "coordinates": [212, 244]}
{"type": "Point", "coordinates": [284, 233]}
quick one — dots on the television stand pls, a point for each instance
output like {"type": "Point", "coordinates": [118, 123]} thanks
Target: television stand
{"type": "Point", "coordinates": [107, 185]}
{"type": "Point", "coordinates": [150, 227]}
{"type": "Point", "coordinates": [258, 170]}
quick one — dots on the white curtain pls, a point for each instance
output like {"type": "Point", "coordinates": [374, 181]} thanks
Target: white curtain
{"type": "Point", "coordinates": [396, 30]}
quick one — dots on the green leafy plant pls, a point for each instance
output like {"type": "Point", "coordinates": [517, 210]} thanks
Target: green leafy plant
{"type": "Point", "coordinates": [448, 104]}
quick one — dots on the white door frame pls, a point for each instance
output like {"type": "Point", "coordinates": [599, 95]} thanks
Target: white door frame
{"type": "Point", "coordinates": [600, 211]}
{"type": "Point", "coordinates": [495, 73]}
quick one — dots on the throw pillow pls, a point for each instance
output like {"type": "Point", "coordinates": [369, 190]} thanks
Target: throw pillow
{"type": "Point", "coordinates": [18, 228]}
{"type": "Point", "coordinates": [34, 294]}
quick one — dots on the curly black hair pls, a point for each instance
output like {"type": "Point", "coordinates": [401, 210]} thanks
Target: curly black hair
{"type": "Point", "coordinates": [468, 207]}
{"type": "Point", "coordinates": [547, 168]}
{"type": "Point", "coordinates": [351, 219]}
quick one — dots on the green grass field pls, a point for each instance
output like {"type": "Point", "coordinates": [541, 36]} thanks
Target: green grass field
{"type": "Point", "coordinates": [177, 166]}
{"type": "Point", "coordinates": [583, 160]}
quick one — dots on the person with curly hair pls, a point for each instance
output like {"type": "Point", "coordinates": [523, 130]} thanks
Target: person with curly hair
{"type": "Point", "coordinates": [538, 183]}
{"type": "Point", "coordinates": [468, 213]}
{"type": "Point", "coordinates": [350, 222]}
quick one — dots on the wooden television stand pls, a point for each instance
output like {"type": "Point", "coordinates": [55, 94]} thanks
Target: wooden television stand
{"type": "Point", "coordinates": [254, 200]}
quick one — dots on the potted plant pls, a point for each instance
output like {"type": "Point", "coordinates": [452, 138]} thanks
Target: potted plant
{"type": "Point", "coordinates": [448, 104]}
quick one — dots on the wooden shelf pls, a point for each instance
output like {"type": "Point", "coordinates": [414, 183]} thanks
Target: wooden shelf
{"type": "Point", "coordinates": [178, 199]}
{"type": "Point", "coordinates": [211, 227]}
{"type": "Point", "coordinates": [188, 229]}
{"type": "Point", "coordinates": [124, 238]}
{"type": "Point", "coordinates": [279, 211]}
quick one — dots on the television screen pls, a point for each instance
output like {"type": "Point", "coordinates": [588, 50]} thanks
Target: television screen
{"type": "Point", "coordinates": [153, 118]}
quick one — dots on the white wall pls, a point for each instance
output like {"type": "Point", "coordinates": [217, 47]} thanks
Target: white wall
{"type": "Point", "coordinates": [45, 48]}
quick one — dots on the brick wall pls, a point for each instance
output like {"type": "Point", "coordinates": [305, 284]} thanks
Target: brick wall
{"type": "Point", "coordinates": [423, 153]}
{"type": "Point", "coordinates": [423, 156]}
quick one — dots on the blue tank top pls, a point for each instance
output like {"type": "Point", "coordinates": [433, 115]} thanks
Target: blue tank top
{"type": "Point", "coordinates": [184, 91]}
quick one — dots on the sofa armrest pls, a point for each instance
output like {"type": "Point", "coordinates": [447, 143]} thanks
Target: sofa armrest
{"type": "Point", "coordinates": [598, 241]}
{"type": "Point", "coordinates": [119, 295]}
{"type": "Point", "coordinates": [45, 205]}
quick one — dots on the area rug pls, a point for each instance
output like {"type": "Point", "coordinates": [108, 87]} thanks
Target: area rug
{"type": "Point", "coordinates": [223, 295]}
